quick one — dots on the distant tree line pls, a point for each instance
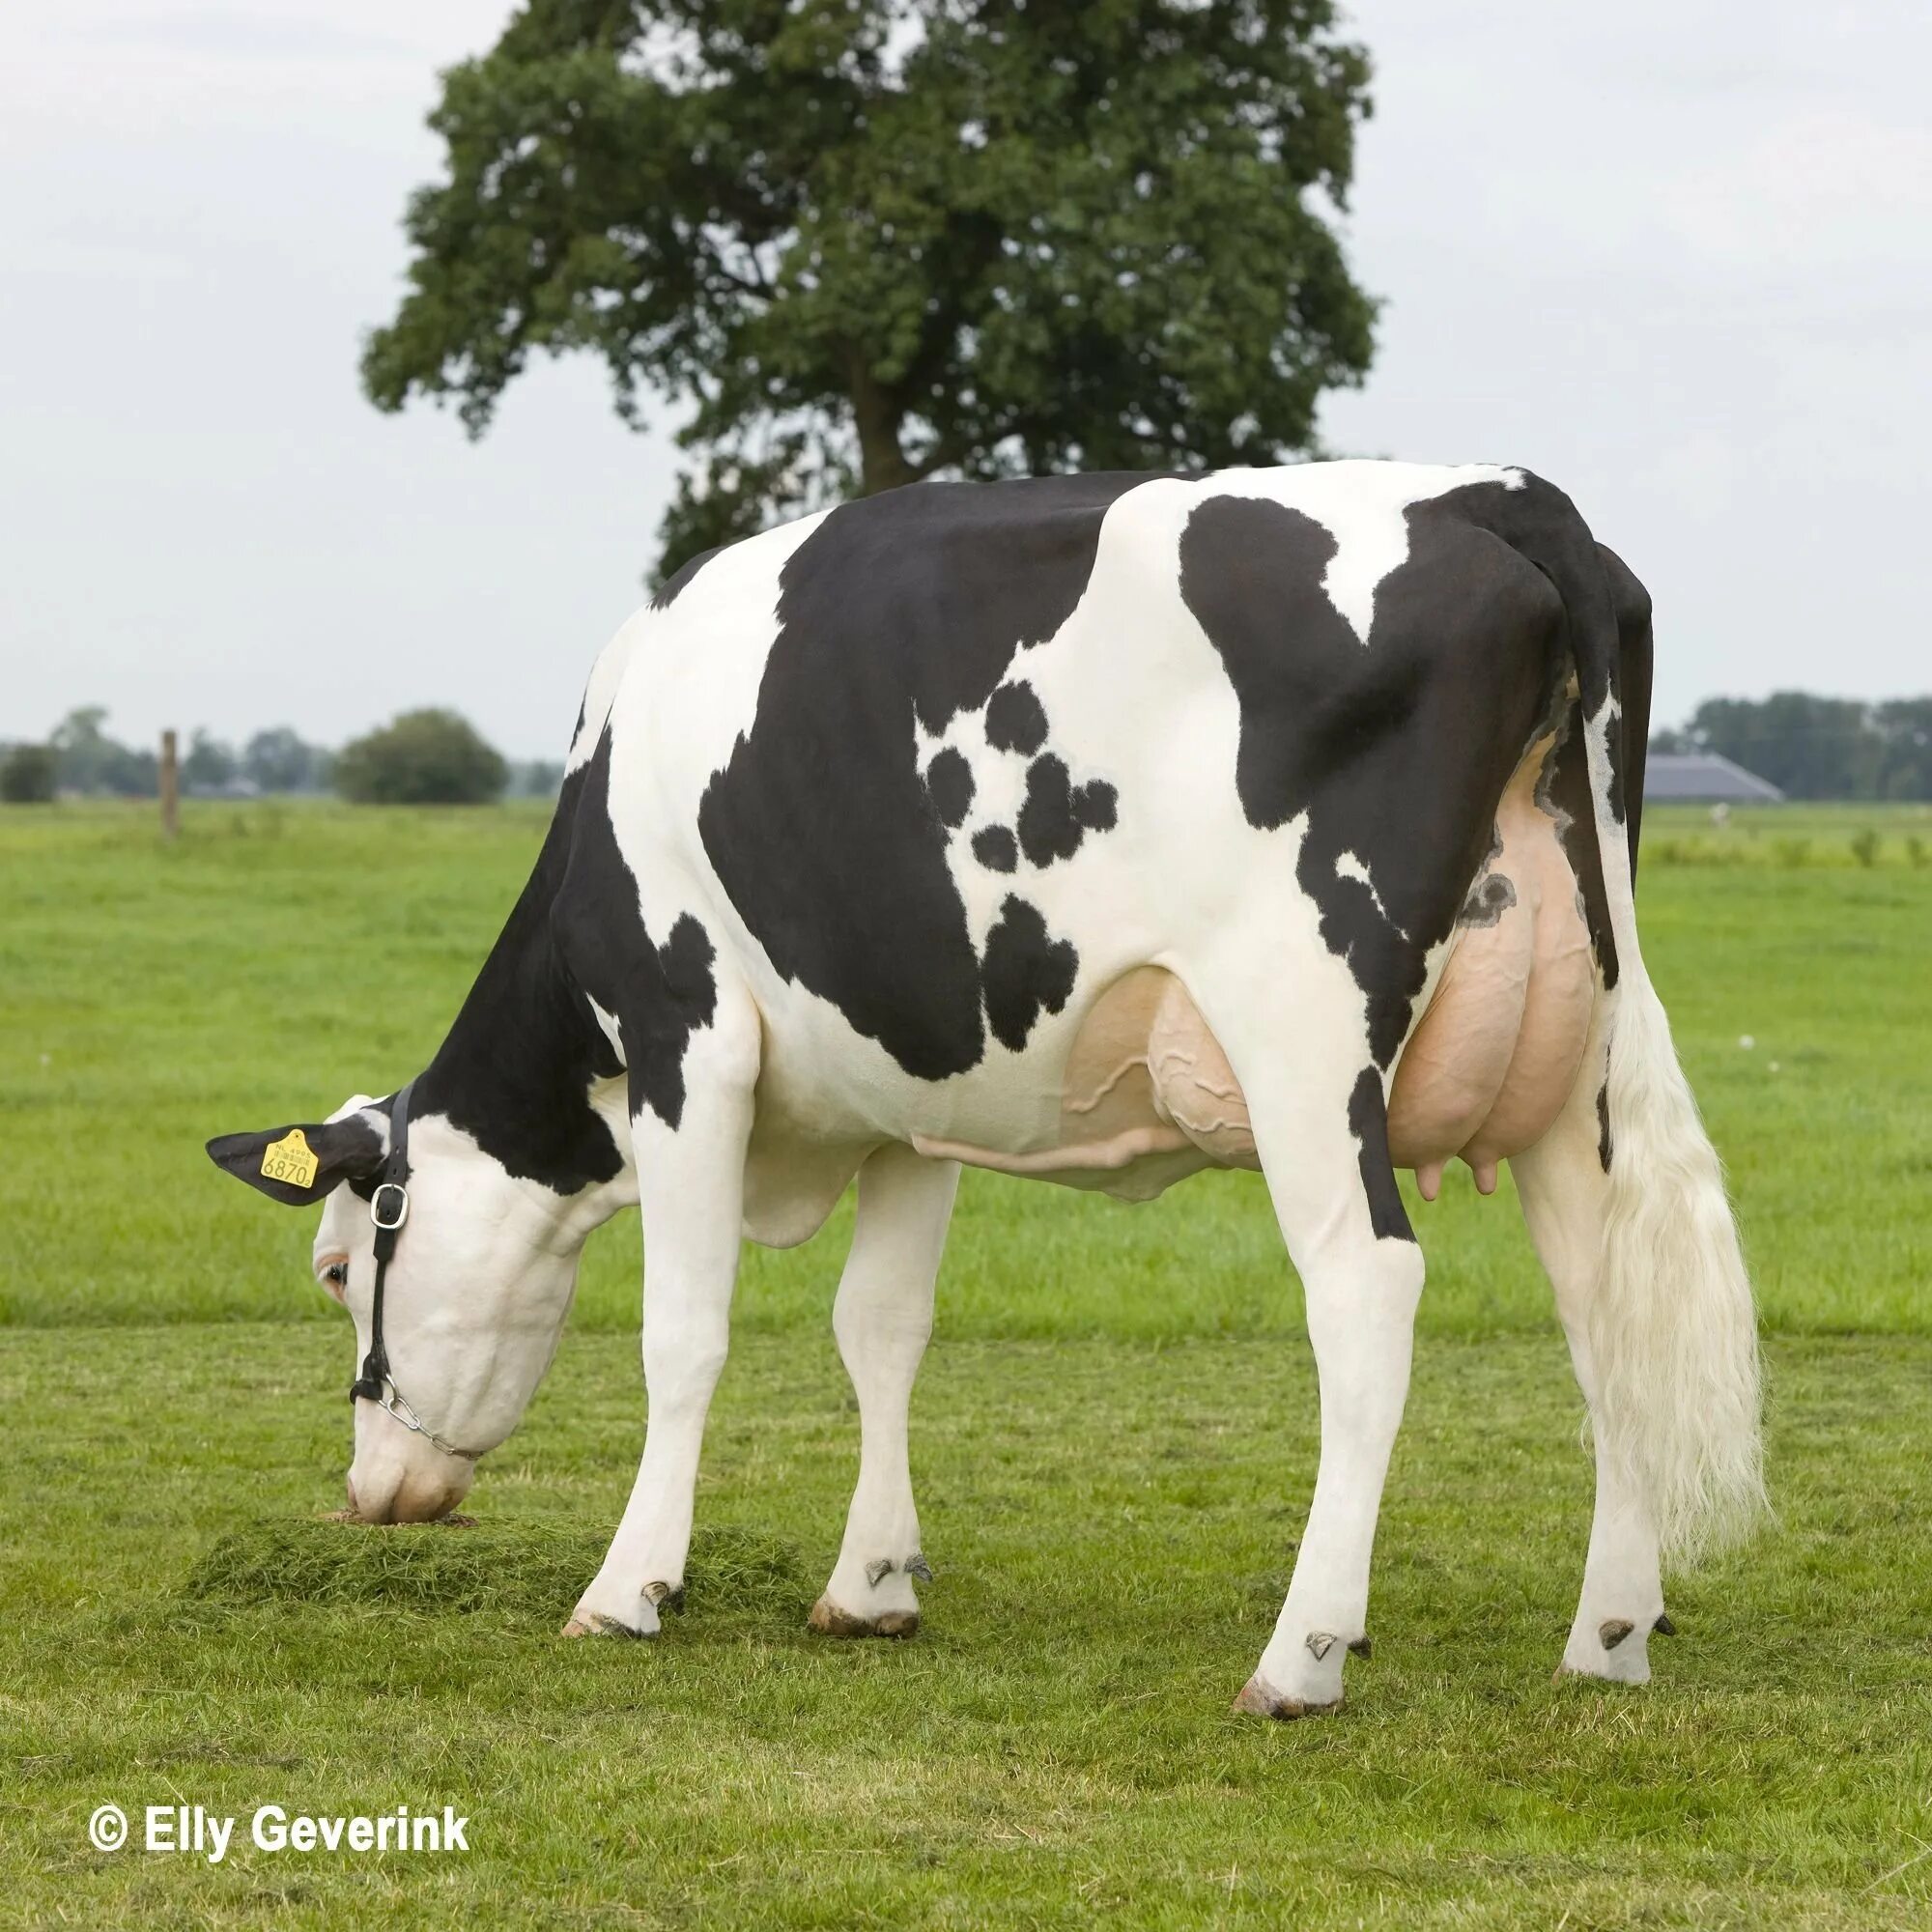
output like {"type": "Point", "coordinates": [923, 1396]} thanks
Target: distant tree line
{"type": "Point", "coordinates": [421, 757]}
{"type": "Point", "coordinates": [1817, 746]}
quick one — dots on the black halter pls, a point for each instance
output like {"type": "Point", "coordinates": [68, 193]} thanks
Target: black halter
{"type": "Point", "coordinates": [389, 1209]}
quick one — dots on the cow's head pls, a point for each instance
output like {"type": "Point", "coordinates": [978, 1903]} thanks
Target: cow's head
{"type": "Point", "coordinates": [475, 1297]}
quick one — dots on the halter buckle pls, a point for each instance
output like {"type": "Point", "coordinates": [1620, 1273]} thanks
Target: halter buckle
{"type": "Point", "coordinates": [401, 1212]}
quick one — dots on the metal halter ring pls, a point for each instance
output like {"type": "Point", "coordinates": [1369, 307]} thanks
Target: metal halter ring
{"type": "Point", "coordinates": [402, 1213]}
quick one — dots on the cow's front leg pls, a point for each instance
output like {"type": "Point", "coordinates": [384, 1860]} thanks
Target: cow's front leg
{"type": "Point", "coordinates": [882, 1317]}
{"type": "Point", "coordinates": [690, 1178]}
{"type": "Point", "coordinates": [1565, 1196]}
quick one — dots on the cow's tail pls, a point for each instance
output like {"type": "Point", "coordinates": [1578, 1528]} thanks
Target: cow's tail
{"type": "Point", "coordinates": [1673, 1331]}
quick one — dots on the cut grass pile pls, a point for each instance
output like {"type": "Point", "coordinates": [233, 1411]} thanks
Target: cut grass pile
{"type": "Point", "coordinates": [523, 1569]}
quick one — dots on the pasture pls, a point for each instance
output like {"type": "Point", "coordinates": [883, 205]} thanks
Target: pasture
{"type": "Point", "coordinates": [1114, 1445]}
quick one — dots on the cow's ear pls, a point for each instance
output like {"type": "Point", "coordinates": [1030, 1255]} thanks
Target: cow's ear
{"type": "Point", "coordinates": [298, 1165]}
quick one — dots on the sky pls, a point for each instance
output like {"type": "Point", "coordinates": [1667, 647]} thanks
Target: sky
{"type": "Point", "coordinates": [1677, 258]}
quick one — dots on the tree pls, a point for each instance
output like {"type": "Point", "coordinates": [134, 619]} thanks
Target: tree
{"type": "Point", "coordinates": [88, 760]}
{"type": "Point", "coordinates": [1904, 727]}
{"type": "Point", "coordinates": [209, 764]}
{"type": "Point", "coordinates": [871, 241]}
{"type": "Point", "coordinates": [27, 774]}
{"type": "Point", "coordinates": [1808, 747]}
{"type": "Point", "coordinates": [1817, 746]}
{"type": "Point", "coordinates": [422, 757]}
{"type": "Point", "coordinates": [280, 760]}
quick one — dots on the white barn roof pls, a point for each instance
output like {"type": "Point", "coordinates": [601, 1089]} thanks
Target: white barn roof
{"type": "Point", "coordinates": [1703, 777]}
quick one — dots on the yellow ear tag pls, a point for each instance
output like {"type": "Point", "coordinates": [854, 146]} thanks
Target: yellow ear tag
{"type": "Point", "coordinates": [290, 1160]}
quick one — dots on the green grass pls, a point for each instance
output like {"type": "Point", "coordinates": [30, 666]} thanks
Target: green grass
{"type": "Point", "coordinates": [1112, 1526]}
{"type": "Point", "coordinates": [279, 959]}
{"type": "Point", "coordinates": [1114, 1440]}
{"type": "Point", "coordinates": [1794, 837]}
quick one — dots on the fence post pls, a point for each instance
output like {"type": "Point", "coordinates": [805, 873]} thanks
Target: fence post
{"type": "Point", "coordinates": [170, 788]}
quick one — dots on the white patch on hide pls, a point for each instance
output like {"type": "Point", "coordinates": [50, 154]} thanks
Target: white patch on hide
{"type": "Point", "coordinates": [608, 1022]}
{"type": "Point", "coordinates": [1349, 866]}
{"type": "Point", "coordinates": [1364, 507]}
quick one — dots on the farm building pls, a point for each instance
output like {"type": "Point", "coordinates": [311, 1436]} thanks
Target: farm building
{"type": "Point", "coordinates": [1703, 777]}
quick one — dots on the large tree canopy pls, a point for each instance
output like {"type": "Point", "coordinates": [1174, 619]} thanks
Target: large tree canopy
{"type": "Point", "coordinates": [866, 240]}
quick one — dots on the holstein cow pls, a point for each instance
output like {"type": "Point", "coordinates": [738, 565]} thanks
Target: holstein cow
{"type": "Point", "coordinates": [1102, 829]}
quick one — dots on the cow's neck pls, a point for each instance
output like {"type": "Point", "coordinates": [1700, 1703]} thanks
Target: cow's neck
{"type": "Point", "coordinates": [523, 1064]}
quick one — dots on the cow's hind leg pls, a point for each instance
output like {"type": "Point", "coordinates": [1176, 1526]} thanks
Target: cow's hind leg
{"type": "Point", "coordinates": [1318, 1107]}
{"type": "Point", "coordinates": [882, 1317]}
{"type": "Point", "coordinates": [1565, 1194]}
{"type": "Point", "coordinates": [691, 1178]}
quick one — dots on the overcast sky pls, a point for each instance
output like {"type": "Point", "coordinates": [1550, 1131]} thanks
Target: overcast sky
{"type": "Point", "coordinates": [1676, 257]}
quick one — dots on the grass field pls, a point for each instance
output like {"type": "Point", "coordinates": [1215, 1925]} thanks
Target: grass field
{"type": "Point", "coordinates": [1114, 1445]}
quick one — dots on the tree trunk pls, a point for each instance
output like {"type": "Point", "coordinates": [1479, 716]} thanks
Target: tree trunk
{"type": "Point", "coordinates": [882, 463]}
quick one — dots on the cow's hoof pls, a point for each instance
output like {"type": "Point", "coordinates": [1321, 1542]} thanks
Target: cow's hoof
{"type": "Point", "coordinates": [829, 1620]}
{"type": "Point", "coordinates": [596, 1626]}
{"type": "Point", "coordinates": [1633, 1670]}
{"type": "Point", "coordinates": [1610, 1649]}
{"type": "Point", "coordinates": [1565, 1673]}
{"type": "Point", "coordinates": [1257, 1701]}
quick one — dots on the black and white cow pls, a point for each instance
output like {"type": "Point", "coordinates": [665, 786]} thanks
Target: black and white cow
{"type": "Point", "coordinates": [1100, 827]}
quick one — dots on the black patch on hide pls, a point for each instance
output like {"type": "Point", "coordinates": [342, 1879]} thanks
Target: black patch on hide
{"type": "Point", "coordinates": [949, 782]}
{"type": "Point", "coordinates": [1095, 806]}
{"type": "Point", "coordinates": [996, 848]}
{"type": "Point", "coordinates": [1368, 1122]}
{"type": "Point", "coordinates": [1565, 785]}
{"type": "Point", "coordinates": [515, 1069]}
{"type": "Point", "coordinates": [1632, 604]}
{"type": "Point", "coordinates": [660, 994]}
{"type": "Point", "coordinates": [1025, 973]}
{"type": "Point", "coordinates": [1564, 792]}
{"type": "Point", "coordinates": [1015, 719]}
{"type": "Point", "coordinates": [909, 605]}
{"type": "Point", "coordinates": [1056, 814]}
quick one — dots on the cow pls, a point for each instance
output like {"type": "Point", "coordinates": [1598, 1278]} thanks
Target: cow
{"type": "Point", "coordinates": [1101, 828]}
